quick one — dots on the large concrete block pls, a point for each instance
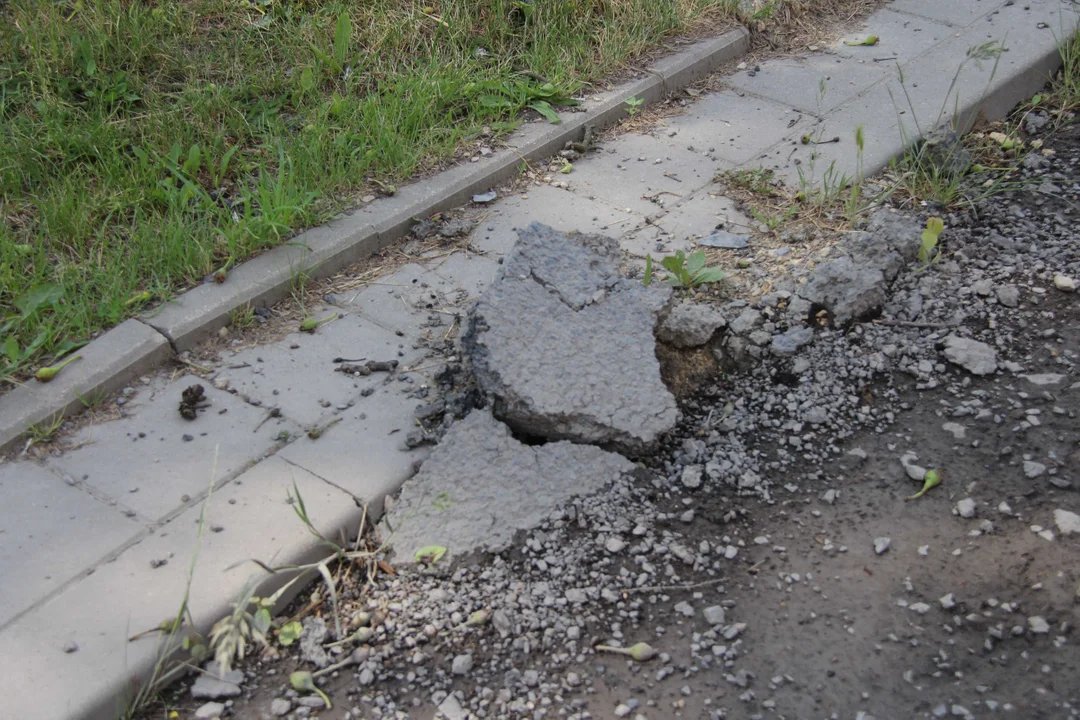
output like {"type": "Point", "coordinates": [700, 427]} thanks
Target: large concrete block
{"type": "Point", "coordinates": [480, 486]}
{"type": "Point", "coordinates": [52, 531]}
{"type": "Point", "coordinates": [150, 460]}
{"type": "Point", "coordinates": [565, 345]}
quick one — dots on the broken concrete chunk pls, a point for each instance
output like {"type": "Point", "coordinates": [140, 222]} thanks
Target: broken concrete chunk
{"type": "Point", "coordinates": [846, 289]}
{"type": "Point", "coordinates": [560, 364]}
{"type": "Point", "coordinates": [480, 486]}
{"type": "Point", "coordinates": [690, 325]}
{"type": "Point", "coordinates": [789, 342]}
{"type": "Point", "coordinates": [976, 357]}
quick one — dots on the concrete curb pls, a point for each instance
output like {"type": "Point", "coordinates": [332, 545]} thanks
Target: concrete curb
{"type": "Point", "coordinates": [110, 361]}
{"type": "Point", "coordinates": [128, 350]}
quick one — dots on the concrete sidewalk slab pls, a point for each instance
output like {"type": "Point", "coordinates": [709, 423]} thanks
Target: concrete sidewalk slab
{"type": "Point", "coordinates": [153, 459]}
{"type": "Point", "coordinates": [133, 593]}
{"type": "Point", "coordinates": [52, 531]}
{"type": "Point", "coordinates": [624, 174]}
{"type": "Point", "coordinates": [570, 211]}
{"type": "Point", "coordinates": [953, 12]}
{"type": "Point", "coordinates": [816, 84]}
{"type": "Point", "coordinates": [297, 373]}
{"type": "Point", "coordinates": [734, 128]}
{"type": "Point", "coordinates": [901, 38]}
{"type": "Point", "coordinates": [364, 454]}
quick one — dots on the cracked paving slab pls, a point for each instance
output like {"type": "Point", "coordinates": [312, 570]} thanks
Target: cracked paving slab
{"type": "Point", "coordinates": [480, 487]}
{"type": "Point", "coordinates": [555, 338]}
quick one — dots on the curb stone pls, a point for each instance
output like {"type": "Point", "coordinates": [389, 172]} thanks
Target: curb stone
{"type": "Point", "coordinates": [107, 364]}
{"type": "Point", "coordinates": [326, 249]}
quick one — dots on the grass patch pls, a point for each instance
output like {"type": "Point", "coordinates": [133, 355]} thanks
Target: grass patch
{"type": "Point", "coordinates": [144, 146]}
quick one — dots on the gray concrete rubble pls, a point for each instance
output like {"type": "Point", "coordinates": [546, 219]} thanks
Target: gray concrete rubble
{"type": "Point", "coordinates": [851, 284]}
{"type": "Point", "coordinates": [480, 486]}
{"type": "Point", "coordinates": [564, 345]}
{"type": "Point", "coordinates": [689, 325]}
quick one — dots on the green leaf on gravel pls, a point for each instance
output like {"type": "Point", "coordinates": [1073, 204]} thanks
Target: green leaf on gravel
{"type": "Point", "coordinates": [429, 555]}
{"type": "Point", "coordinates": [290, 633]}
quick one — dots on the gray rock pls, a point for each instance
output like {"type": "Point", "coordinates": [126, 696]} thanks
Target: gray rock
{"type": "Point", "coordinates": [724, 239]}
{"type": "Point", "coordinates": [948, 602]}
{"type": "Point", "coordinates": [919, 607]}
{"type": "Point", "coordinates": [210, 711]}
{"type": "Point", "coordinates": [881, 545]}
{"type": "Point", "coordinates": [1067, 522]}
{"type": "Point", "coordinates": [684, 608]}
{"type": "Point", "coordinates": [944, 150]}
{"type": "Point", "coordinates": [846, 289]}
{"type": "Point", "coordinates": [461, 664]}
{"type": "Point", "coordinates": [614, 545]}
{"type": "Point", "coordinates": [1038, 625]}
{"type": "Point", "coordinates": [691, 476]}
{"type": "Point", "coordinates": [280, 707]}
{"type": "Point", "coordinates": [211, 685]}
{"type": "Point", "coordinates": [494, 485]}
{"type": "Point", "coordinates": [714, 615]}
{"type": "Point", "coordinates": [554, 339]}
{"type": "Point", "coordinates": [852, 284]}
{"type": "Point", "coordinates": [965, 508]}
{"type": "Point", "coordinates": [311, 642]}
{"type": "Point", "coordinates": [789, 342]}
{"type": "Point", "coordinates": [976, 357]}
{"type": "Point", "coordinates": [1007, 295]}
{"type": "Point", "coordinates": [747, 320]}
{"type": "Point", "coordinates": [452, 710]}
{"type": "Point", "coordinates": [1033, 469]}
{"type": "Point", "coordinates": [690, 325]}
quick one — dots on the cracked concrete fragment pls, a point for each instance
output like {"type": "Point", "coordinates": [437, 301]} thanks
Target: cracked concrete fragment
{"type": "Point", "coordinates": [562, 361]}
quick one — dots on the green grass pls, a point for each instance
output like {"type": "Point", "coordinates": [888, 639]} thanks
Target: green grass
{"type": "Point", "coordinates": [144, 145]}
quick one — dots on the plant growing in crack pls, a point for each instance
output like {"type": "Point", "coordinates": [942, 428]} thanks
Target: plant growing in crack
{"type": "Point", "coordinates": [251, 621]}
{"type": "Point", "coordinates": [685, 271]}
{"type": "Point", "coordinates": [929, 253]}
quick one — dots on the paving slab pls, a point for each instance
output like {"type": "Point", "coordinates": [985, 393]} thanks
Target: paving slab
{"type": "Point", "coordinates": [641, 174]}
{"type": "Point", "coordinates": [152, 473]}
{"type": "Point", "coordinates": [405, 302]}
{"type": "Point", "coordinates": [568, 211]}
{"type": "Point", "coordinates": [364, 454]}
{"type": "Point", "coordinates": [734, 127]}
{"type": "Point", "coordinates": [50, 532]}
{"type": "Point", "coordinates": [470, 271]}
{"type": "Point", "coordinates": [901, 38]}
{"type": "Point", "coordinates": [952, 12]}
{"type": "Point", "coordinates": [698, 216]}
{"type": "Point", "coordinates": [479, 487]}
{"type": "Point", "coordinates": [100, 611]}
{"type": "Point", "coordinates": [297, 374]}
{"type": "Point", "coordinates": [814, 84]}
